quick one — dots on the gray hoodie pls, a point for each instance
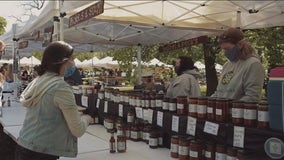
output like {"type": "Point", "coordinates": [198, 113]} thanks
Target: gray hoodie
{"type": "Point", "coordinates": [241, 80]}
{"type": "Point", "coordinates": [185, 85]}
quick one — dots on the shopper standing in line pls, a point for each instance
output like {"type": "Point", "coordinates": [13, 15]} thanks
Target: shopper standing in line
{"type": "Point", "coordinates": [242, 76]}
{"type": "Point", "coordinates": [52, 122]}
{"type": "Point", "coordinates": [186, 83]}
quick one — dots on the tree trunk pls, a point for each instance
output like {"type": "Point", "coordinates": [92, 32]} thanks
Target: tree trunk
{"type": "Point", "coordinates": [211, 74]}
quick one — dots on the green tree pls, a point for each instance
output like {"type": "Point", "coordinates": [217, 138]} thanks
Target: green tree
{"type": "Point", "coordinates": [3, 24]}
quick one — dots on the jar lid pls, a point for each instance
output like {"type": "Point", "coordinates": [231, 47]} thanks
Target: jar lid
{"type": "Point", "coordinates": [173, 100]}
{"type": "Point", "coordinates": [237, 101]}
{"type": "Point", "coordinates": [232, 150]}
{"type": "Point", "coordinates": [193, 98]}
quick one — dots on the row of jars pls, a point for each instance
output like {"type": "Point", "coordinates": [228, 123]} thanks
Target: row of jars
{"type": "Point", "coordinates": [188, 148]}
{"type": "Point", "coordinates": [86, 89]}
{"type": "Point", "coordinates": [137, 130]}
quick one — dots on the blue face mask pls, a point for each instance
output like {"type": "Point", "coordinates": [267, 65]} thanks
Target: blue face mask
{"type": "Point", "coordinates": [69, 71]}
{"type": "Point", "coordinates": [233, 53]}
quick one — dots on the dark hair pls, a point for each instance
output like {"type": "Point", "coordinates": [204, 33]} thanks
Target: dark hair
{"type": "Point", "coordinates": [186, 63]}
{"type": "Point", "coordinates": [54, 55]}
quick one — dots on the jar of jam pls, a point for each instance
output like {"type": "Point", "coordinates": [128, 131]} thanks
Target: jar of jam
{"type": "Point", "coordinates": [192, 106]}
{"type": "Point", "coordinates": [241, 155]}
{"type": "Point", "coordinates": [121, 144]}
{"type": "Point", "coordinates": [174, 146]}
{"type": "Point", "coordinates": [220, 153]}
{"type": "Point", "coordinates": [250, 114]}
{"type": "Point", "coordinates": [121, 130]}
{"type": "Point", "coordinates": [221, 110]}
{"type": "Point", "coordinates": [166, 103]}
{"type": "Point", "coordinates": [211, 106]}
{"type": "Point", "coordinates": [134, 133]}
{"type": "Point", "coordinates": [153, 100]}
{"type": "Point", "coordinates": [138, 100]}
{"type": "Point", "coordinates": [147, 100]}
{"type": "Point", "coordinates": [146, 133]}
{"type": "Point", "coordinates": [209, 151]}
{"type": "Point", "coordinates": [161, 139]}
{"type": "Point", "coordinates": [195, 152]}
{"type": "Point", "coordinates": [159, 101]}
{"type": "Point", "coordinates": [130, 116]}
{"type": "Point", "coordinates": [201, 107]}
{"type": "Point", "coordinates": [238, 112]}
{"type": "Point", "coordinates": [181, 105]}
{"type": "Point", "coordinates": [231, 153]}
{"type": "Point", "coordinates": [154, 139]}
{"type": "Point", "coordinates": [183, 148]}
{"type": "Point", "coordinates": [262, 115]}
{"type": "Point", "coordinates": [101, 95]}
{"type": "Point", "coordinates": [173, 105]}
{"type": "Point", "coordinates": [109, 124]}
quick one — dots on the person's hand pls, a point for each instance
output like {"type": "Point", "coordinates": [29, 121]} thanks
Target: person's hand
{"type": "Point", "coordinates": [88, 118]}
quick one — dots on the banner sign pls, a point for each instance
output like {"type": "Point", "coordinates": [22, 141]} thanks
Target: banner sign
{"type": "Point", "coordinates": [182, 44]}
{"type": "Point", "coordinates": [86, 14]}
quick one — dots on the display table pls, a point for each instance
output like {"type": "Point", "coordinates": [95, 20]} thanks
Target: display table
{"type": "Point", "coordinates": [93, 144]}
{"type": "Point", "coordinates": [253, 138]}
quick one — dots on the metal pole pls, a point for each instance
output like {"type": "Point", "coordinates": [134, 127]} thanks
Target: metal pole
{"type": "Point", "coordinates": [61, 24]}
{"type": "Point", "coordinates": [139, 67]}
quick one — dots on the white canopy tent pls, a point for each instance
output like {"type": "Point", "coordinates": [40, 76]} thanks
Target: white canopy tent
{"type": "Point", "coordinates": [31, 61]}
{"type": "Point", "coordinates": [157, 21]}
{"type": "Point", "coordinates": [199, 65]}
{"type": "Point", "coordinates": [156, 62]}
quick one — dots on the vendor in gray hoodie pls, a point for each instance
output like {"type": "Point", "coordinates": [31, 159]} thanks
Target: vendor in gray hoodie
{"type": "Point", "coordinates": [186, 83]}
{"type": "Point", "coordinates": [243, 74]}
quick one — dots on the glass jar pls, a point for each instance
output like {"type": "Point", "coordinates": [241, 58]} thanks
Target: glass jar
{"type": "Point", "coordinates": [109, 124]}
{"type": "Point", "coordinates": [166, 103]}
{"type": "Point", "coordinates": [241, 155]}
{"type": "Point", "coordinates": [238, 113]}
{"type": "Point", "coordinates": [121, 130]}
{"type": "Point", "coordinates": [154, 140]}
{"type": "Point", "coordinates": [195, 152]}
{"type": "Point", "coordinates": [101, 95]}
{"type": "Point", "coordinates": [173, 105]}
{"type": "Point", "coordinates": [211, 106]}
{"type": "Point", "coordinates": [121, 144]}
{"type": "Point", "coordinates": [263, 115]}
{"type": "Point", "coordinates": [183, 148]}
{"type": "Point", "coordinates": [147, 99]}
{"type": "Point", "coordinates": [181, 105]}
{"type": "Point", "coordinates": [146, 133]}
{"type": "Point", "coordinates": [153, 100]}
{"type": "Point", "coordinates": [250, 114]}
{"type": "Point", "coordinates": [220, 153]}
{"type": "Point", "coordinates": [159, 101]}
{"type": "Point", "coordinates": [174, 146]}
{"type": "Point", "coordinates": [134, 133]}
{"type": "Point", "coordinates": [138, 100]}
{"type": "Point", "coordinates": [90, 90]}
{"type": "Point", "coordinates": [201, 107]}
{"type": "Point", "coordinates": [161, 139]}
{"type": "Point", "coordinates": [130, 116]}
{"type": "Point", "coordinates": [221, 110]}
{"type": "Point", "coordinates": [209, 151]}
{"type": "Point", "coordinates": [192, 106]}
{"type": "Point", "coordinates": [231, 153]}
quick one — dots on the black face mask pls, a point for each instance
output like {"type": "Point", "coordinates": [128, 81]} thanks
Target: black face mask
{"type": "Point", "coordinates": [177, 70]}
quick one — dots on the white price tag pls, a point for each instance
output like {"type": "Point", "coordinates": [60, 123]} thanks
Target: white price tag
{"type": "Point", "coordinates": [84, 101]}
{"type": "Point", "coordinates": [191, 125]}
{"type": "Point", "coordinates": [105, 106]}
{"type": "Point", "coordinates": [139, 112]}
{"type": "Point", "coordinates": [150, 116]}
{"type": "Point", "coordinates": [175, 123]}
{"type": "Point", "coordinates": [98, 103]}
{"type": "Point", "coordinates": [211, 128]}
{"type": "Point", "coordinates": [160, 119]}
{"type": "Point", "coordinates": [120, 110]}
{"type": "Point", "coordinates": [239, 136]}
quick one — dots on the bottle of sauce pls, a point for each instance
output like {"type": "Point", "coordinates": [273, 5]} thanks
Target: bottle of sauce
{"type": "Point", "coordinates": [112, 146]}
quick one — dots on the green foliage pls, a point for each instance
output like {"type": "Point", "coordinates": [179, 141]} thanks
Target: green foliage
{"type": "Point", "coordinates": [269, 43]}
{"type": "Point", "coordinates": [3, 24]}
